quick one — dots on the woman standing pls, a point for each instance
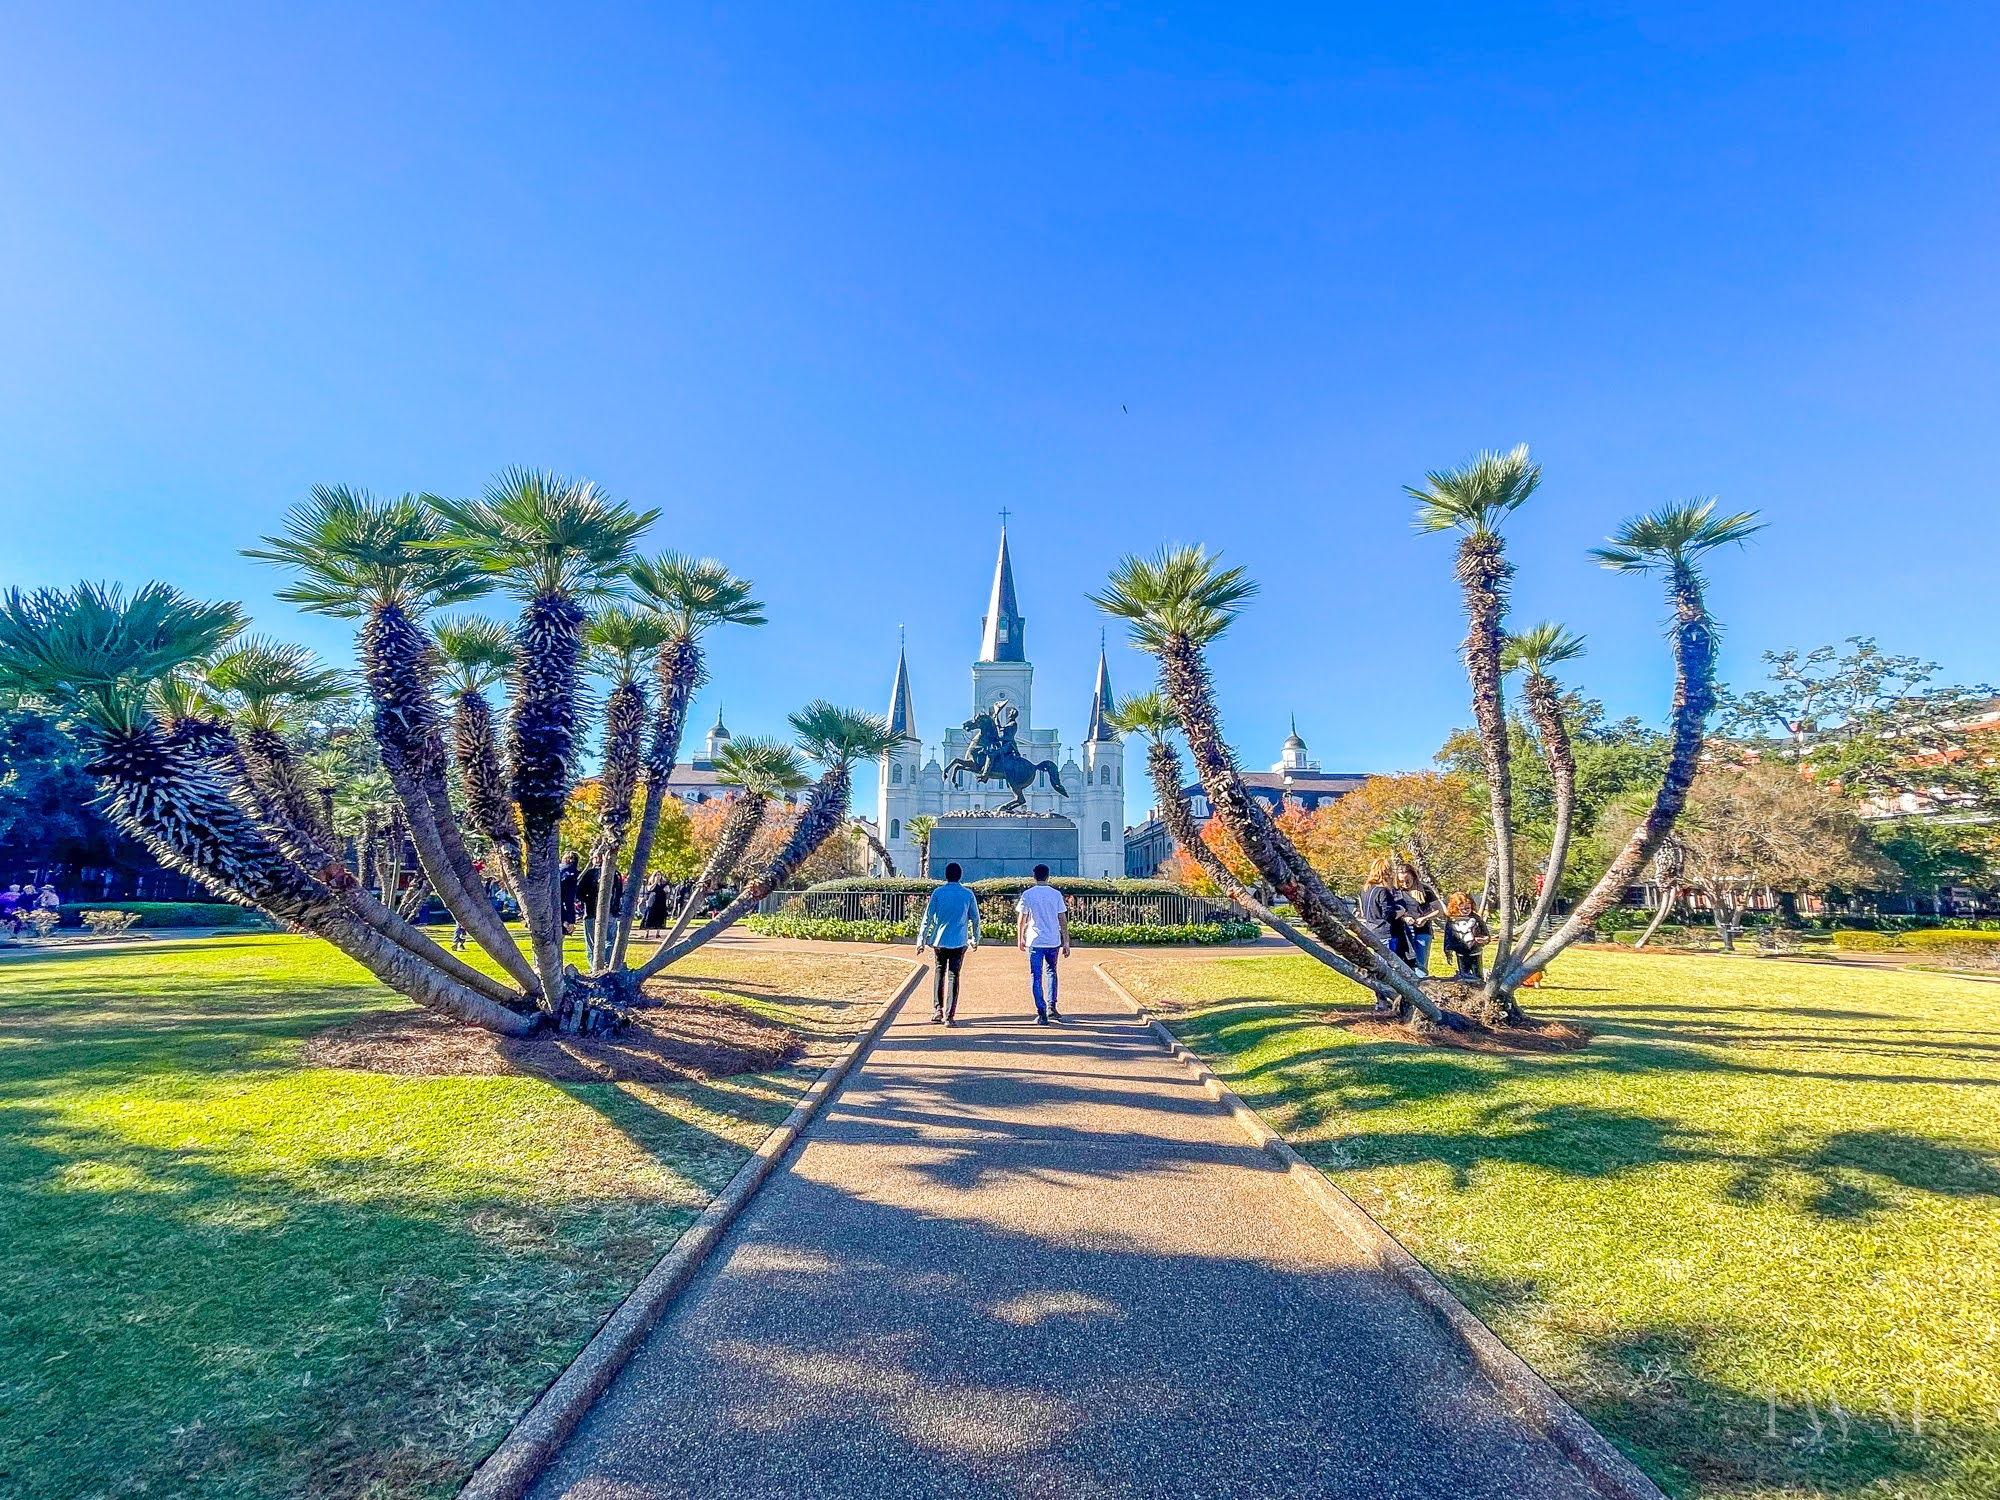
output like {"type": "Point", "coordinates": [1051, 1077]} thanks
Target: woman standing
{"type": "Point", "coordinates": [1418, 909]}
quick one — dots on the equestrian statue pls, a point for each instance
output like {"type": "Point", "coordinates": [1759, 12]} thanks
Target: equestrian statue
{"type": "Point", "coordinates": [994, 756]}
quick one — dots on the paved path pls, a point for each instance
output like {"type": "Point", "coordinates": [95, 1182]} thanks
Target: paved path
{"type": "Point", "coordinates": [1040, 1262]}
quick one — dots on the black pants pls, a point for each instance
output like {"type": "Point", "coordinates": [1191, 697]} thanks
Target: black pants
{"type": "Point", "coordinates": [948, 960]}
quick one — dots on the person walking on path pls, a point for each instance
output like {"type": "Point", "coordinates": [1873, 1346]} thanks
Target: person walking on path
{"type": "Point", "coordinates": [950, 926]}
{"type": "Point", "coordinates": [1041, 929]}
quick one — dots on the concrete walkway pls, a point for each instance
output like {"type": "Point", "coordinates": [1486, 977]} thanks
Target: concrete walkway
{"type": "Point", "coordinates": [1040, 1262]}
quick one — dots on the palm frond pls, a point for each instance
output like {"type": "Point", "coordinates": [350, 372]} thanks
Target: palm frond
{"type": "Point", "coordinates": [353, 553]}
{"type": "Point", "coordinates": [1671, 537]}
{"type": "Point", "coordinates": [764, 767]}
{"type": "Point", "coordinates": [693, 593]}
{"type": "Point", "coordinates": [840, 736]}
{"type": "Point", "coordinates": [475, 652]}
{"type": "Point", "coordinates": [541, 535]}
{"type": "Point", "coordinates": [1149, 713]}
{"type": "Point", "coordinates": [1535, 651]}
{"type": "Point", "coordinates": [1179, 591]}
{"type": "Point", "coordinates": [262, 680]}
{"type": "Point", "coordinates": [618, 640]}
{"type": "Point", "coordinates": [1476, 495]}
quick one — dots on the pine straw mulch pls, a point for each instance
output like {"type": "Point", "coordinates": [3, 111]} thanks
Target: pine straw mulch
{"type": "Point", "coordinates": [1534, 1034]}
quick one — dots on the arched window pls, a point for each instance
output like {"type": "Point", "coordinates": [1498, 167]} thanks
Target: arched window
{"type": "Point", "coordinates": [895, 828]}
{"type": "Point", "coordinates": [1104, 831]}
{"type": "Point", "coordinates": [896, 771]}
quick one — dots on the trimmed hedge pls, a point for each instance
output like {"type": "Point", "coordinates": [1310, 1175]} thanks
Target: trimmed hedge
{"type": "Point", "coordinates": [169, 913]}
{"type": "Point", "coordinates": [1930, 941]}
{"type": "Point", "coordinates": [1075, 885]}
{"type": "Point", "coordinates": [1082, 934]}
{"type": "Point", "coordinates": [900, 885]}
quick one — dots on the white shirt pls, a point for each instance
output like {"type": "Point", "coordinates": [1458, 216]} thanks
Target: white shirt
{"type": "Point", "coordinates": [1041, 912]}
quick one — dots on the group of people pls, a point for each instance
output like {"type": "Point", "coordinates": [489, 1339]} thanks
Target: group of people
{"type": "Point", "coordinates": [18, 903]}
{"type": "Point", "coordinates": [1398, 908]}
{"type": "Point", "coordinates": [950, 927]}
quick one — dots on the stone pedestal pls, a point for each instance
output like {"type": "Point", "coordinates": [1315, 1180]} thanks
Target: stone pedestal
{"type": "Point", "coordinates": [989, 845]}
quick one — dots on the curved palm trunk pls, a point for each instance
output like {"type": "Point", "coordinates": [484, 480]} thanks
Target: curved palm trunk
{"type": "Point", "coordinates": [1668, 896]}
{"type": "Point", "coordinates": [678, 673]}
{"type": "Point", "coordinates": [738, 830]}
{"type": "Point", "coordinates": [394, 653]}
{"type": "Point", "coordinates": [541, 743]}
{"type": "Point", "coordinates": [185, 816]}
{"type": "Point", "coordinates": [1483, 571]}
{"type": "Point", "coordinates": [624, 723]}
{"type": "Point", "coordinates": [1694, 699]}
{"type": "Point", "coordinates": [1164, 766]}
{"type": "Point", "coordinates": [1545, 711]}
{"type": "Point", "coordinates": [476, 747]}
{"type": "Point", "coordinates": [272, 769]}
{"type": "Point", "coordinates": [1185, 677]}
{"type": "Point", "coordinates": [825, 811]}
{"type": "Point", "coordinates": [880, 851]}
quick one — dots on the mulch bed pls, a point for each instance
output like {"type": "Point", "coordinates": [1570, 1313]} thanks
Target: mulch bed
{"type": "Point", "coordinates": [1535, 1034]}
{"type": "Point", "coordinates": [685, 1036]}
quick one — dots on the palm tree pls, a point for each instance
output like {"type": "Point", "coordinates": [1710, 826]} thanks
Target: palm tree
{"type": "Point", "coordinates": [1150, 714]}
{"type": "Point", "coordinates": [1177, 603]}
{"type": "Point", "coordinates": [261, 684]}
{"type": "Point", "coordinates": [1473, 499]}
{"type": "Point", "coordinates": [875, 845]}
{"type": "Point", "coordinates": [834, 738]}
{"type": "Point", "coordinates": [764, 769]}
{"type": "Point", "coordinates": [1671, 541]}
{"type": "Point", "coordinates": [379, 561]}
{"type": "Point", "coordinates": [619, 643]}
{"type": "Point", "coordinates": [1401, 832]}
{"type": "Point", "coordinates": [919, 830]}
{"type": "Point", "coordinates": [100, 654]}
{"type": "Point", "coordinates": [691, 595]}
{"type": "Point", "coordinates": [1533, 653]}
{"type": "Point", "coordinates": [1669, 867]}
{"type": "Point", "coordinates": [474, 654]}
{"type": "Point", "coordinates": [555, 544]}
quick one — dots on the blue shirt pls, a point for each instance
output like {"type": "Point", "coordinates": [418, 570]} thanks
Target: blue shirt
{"type": "Point", "coordinates": [951, 918]}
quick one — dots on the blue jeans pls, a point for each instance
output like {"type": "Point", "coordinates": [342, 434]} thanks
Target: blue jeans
{"type": "Point", "coordinates": [1036, 958]}
{"type": "Point", "coordinates": [1421, 938]}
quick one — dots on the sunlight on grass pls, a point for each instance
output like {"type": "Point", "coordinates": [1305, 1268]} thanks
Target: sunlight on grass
{"type": "Point", "coordinates": [221, 1271]}
{"type": "Point", "coordinates": [1753, 1229]}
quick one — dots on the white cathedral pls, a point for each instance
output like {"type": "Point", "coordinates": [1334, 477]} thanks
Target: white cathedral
{"type": "Point", "coordinates": [912, 785]}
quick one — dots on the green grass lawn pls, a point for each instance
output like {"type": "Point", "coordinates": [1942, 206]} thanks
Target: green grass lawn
{"type": "Point", "coordinates": [224, 1274]}
{"type": "Point", "coordinates": [1752, 1230]}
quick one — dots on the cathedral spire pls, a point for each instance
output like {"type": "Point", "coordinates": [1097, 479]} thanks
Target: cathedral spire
{"type": "Point", "coordinates": [1102, 704]}
{"type": "Point", "coordinates": [1003, 635]}
{"type": "Point", "coordinates": [902, 710]}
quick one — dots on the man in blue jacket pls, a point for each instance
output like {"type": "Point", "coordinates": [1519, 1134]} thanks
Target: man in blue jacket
{"type": "Point", "coordinates": [949, 927]}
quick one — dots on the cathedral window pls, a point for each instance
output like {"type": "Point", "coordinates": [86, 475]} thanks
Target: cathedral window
{"type": "Point", "coordinates": [896, 771]}
{"type": "Point", "coordinates": [1104, 831]}
{"type": "Point", "coordinates": [895, 828]}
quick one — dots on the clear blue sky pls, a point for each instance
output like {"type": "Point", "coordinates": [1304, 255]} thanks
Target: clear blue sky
{"type": "Point", "coordinates": [832, 284]}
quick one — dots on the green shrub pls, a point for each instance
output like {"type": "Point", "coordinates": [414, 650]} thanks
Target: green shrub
{"type": "Point", "coordinates": [1083, 934]}
{"type": "Point", "coordinates": [1013, 885]}
{"type": "Point", "coordinates": [170, 913]}
{"type": "Point", "coordinates": [105, 923]}
{"type": "Point", "coordinates": [1939, 944]}
{"type": "Point", "coordinates": [871, 883]}
{"type": "Point", "coordinates": [832, 930]}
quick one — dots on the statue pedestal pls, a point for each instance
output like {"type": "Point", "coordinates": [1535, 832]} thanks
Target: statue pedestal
{"type": "Point", "coordinates": [990, 845]}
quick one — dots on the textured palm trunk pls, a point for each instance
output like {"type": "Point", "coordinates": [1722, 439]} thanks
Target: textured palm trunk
{"type": "Point", "coordinates": [879, 849]}
{"type": "Point", "coordinates": [394, 655]}
{"type": "Point", "coordinates": [184, 814]}
{"type": "Point", "coordinates": [624, 725]}
{"type": "Point", "coordinates": [1185, 677]}
{"type": "Point", "coordinates": [1164, 766]}
{"type": "Point", "coordinates": [1545, 712]}
{"type": "Point", "coordinates": [1694, 700]}
{"type": "Point", "coordinates": [825, 812]}
{"type": "Point", "coordinates": [738, 830]}
{"type": "Point", "coordinates": [1668, 896]}
{"type": "Point", "coordinates": [476, 747]}
{"type": "Point", "coordinates": [274, 771]}
{"type": "Point", "coordinates": [541, 744]}
{"type": "Point", "coordinates": [1483, 571]}
{"type": "Point", "coordinates": [678, 674]}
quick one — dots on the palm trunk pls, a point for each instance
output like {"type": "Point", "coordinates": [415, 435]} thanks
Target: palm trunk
{"type": "Point", "coordinates": [1483, 571]}
{"type": "Point", "coordinates": [184, 815]}
{"type": "Point", "coordinates": [1694, 699]}
{"type": "Point", "coordinates": [1667, 899]}
{"type": "Point", "coordinates": [679, 673]}
{"type": "Point", "coordinates": [825, 811]}
{"type": "Point", "coordinates": [881, 852]}
{"type": "Point", "coordinates": [1164, 766]}
{"type": "Point", "coordinates": [1185, 677]}
{"type": "Point", "coordinates": [271, 768]}
{"type": "Point", "coordinates": [624, 722]}
{"type": "Point", "coordinates": [738, 830]}
{"type": "Point", "coordinates": [477, 750]}
{"type": "Point", "coordinates": [541, 744]}
{"type": "Point", "coordinates": [1545, 710]}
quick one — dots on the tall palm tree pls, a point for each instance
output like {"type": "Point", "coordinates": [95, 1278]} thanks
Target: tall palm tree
{"type": "Point", "coordinates": [1533, 653]}
{"type": "Point", "coordinates": [1473, 499]}
{"type": "Point", "coordinates": [1670, 541]}
{"type": "Point", "coordinates": [764, 769]}
{"type": "Point", "coordinates": [919, 830]}
{"type": "Point", "coordinates": [1152, 715]}
{"type": "Point", "coordinates": [475, 654]}
{"type": "Point", "coordinates": [556, 544]}
{"type": "Point", "coordinates": [1669, 867]}
{"type": "Point", "coordinates": [1176, 604]}
{"type": "Point", "coordinates": [619, 643]}
{"type": "Point", "coordinates": [379, 561]}
{"type": "Point", "coordinates": [262, 684]}
{"type": "Point", "coordinates": [692, 596]}
{"type": "Point", "coordinates": [99, 654]}
{"type": "Point", "coordinates": [835, 739]}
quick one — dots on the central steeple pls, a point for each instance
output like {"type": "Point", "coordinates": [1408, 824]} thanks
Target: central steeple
{"type": "Point", "coordinates": [1003, 634]}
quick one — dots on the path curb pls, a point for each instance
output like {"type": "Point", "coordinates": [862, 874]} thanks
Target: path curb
{"type": "Point", "coordinates": [1533, 1400]}
{"type": "Point", "coordinates": [510, 1468]}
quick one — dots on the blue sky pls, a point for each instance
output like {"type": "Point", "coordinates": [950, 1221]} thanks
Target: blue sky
{"type": "Point", "coordinates": [832, 285]}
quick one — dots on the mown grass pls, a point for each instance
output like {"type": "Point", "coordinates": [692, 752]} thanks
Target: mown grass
{"type": "Point", "coordinates": [223, 1274]}
{"type": "Point", "coordinates": [1752, 1231]}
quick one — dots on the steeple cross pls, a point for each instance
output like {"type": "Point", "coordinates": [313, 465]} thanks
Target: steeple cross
{"type": "Point", "coordinates": [1004, 514]}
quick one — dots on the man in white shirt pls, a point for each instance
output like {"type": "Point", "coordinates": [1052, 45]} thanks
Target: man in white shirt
{"type": "Point", "coordinates": [1041, 930]}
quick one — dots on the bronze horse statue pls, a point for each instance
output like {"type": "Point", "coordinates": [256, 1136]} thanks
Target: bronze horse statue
{"type": "Point", "coordinates": [993, 756]}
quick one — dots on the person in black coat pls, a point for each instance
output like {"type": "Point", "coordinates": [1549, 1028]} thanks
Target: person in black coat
{"type": "Point", "coordinates": [566, 893]}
